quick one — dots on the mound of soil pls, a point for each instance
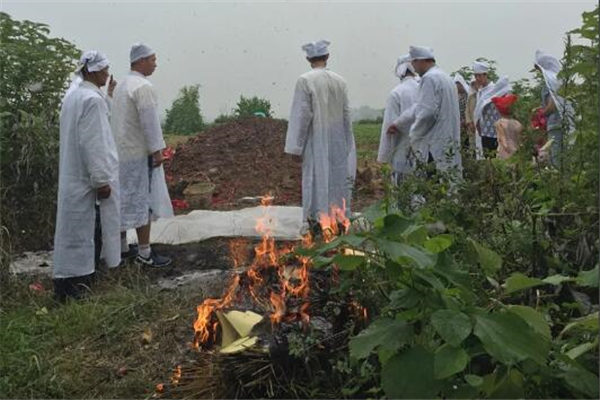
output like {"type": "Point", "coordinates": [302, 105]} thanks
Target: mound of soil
{"type": "Point", "coordinates": [240, 158]}
{"type": "Point", "coordinates": [245, 158]}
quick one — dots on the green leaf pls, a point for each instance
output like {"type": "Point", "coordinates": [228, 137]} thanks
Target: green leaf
{"type": "Point", "coordinates": [353, 240]}
{"type": "Point", "coordinates": [384, 332]}
{"type": "Point", "coordinates": [510, 386]}
{"type": "Point", "coordinates": [582, 380]}
{"type": "Point", "coordinates": [416, 235]}
{"type": "Point", "coordinates": [409, 375]}
{"type": "Point", "coordinates": [474, 380]}
{"type": "Point", "coordinates": [439, 243]}
{"type": "Point", "coordinates": [557, 279]}
{"type": "Point", "coordinates": [348, 263]}
{"type": "Point", "coordinates": [449, 360]}
{"type": "Point", "coordinates": [582, 349]}
{"type": "Point", "coordinates": [588, 323]}
{"type": "Point", "coordinates": [452, 326]}
{"type": "Point", "coordinates": [489, 260]}
{"type": "Point", "coordinates": [401, 252]}
{"type": "Point", "coordinates": [589, 278]}
{"type": "Point", "coordinates": [518, 281]}
{"type": "Point", "coordinates": [394, 225]}
{"type": "Point", "coordinates": [507, 338]}
{"type": "Point", "coordinates": [532, 318]}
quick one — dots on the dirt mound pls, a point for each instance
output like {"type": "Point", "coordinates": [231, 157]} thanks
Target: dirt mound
{"type": "Point", "coordinates": [245, 158]}
{"type": "Point", "coordinates": [240, 158]}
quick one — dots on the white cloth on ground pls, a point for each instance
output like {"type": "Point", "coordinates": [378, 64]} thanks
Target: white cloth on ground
{"type": "Point", "coordinates": [88, 160]}
{"type": "Point", "coordinates": [138, 134]}
{"type": "Point", "coordinates": [320, 129]}
{"type": "Point", "coordinates": [395, 148]}
{"type": "Point", "coordinates": [436, 129]}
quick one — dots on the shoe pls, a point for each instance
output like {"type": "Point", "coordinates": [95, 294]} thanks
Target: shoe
{"type": "Point", "coordinates": [131, 253]}
{"type": "Point", "coordinates": [154, 260]}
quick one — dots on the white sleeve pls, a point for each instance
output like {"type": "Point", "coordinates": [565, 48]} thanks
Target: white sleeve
{"type": "Point", "coordinates": [426, 110]}
{"type": "Point", "coordinates": [145, 102]}
{"type": "Point", "coordinates": [94, 131]}
{"type": "Point", "coordinates": [406, 119]}
{"type": "Point", "coordinates": [348, 123]}
{"type": "Point", "coordinates": [300, 120]}
{"type": "Point", "coordinates": [387, 141]}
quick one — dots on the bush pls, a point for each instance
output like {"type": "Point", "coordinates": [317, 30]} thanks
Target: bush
{"type": "Point", "coordinates": [35, 71]}
{"type": "Point", "coordinates": [248, 107]}
{"type": "Point", "coordinates": [184, 117]}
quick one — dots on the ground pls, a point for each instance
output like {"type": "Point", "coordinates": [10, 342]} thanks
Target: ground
{"type": "Point", "coordinates": [128, 335]}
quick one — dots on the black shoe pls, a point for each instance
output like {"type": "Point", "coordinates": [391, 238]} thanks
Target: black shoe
{"type": "Point", "coordinates": [75, 287]}
{"type": "Point", "coordinates": [154, 260]}
{"type": "Point", "coordinates": [131, 253]}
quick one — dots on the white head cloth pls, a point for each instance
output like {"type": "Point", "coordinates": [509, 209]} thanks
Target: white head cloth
{"type": "Point", "coordinates": [458, 78]}
{"type": "Point", "coordinates": [93, 61]}
{"type": "Point", "coordinates": [138, 51]}
{"type": "Point", "coordinates": [402, 65]}
{"type": "Point", "coordinates": [420, 53]}
{"type": "Point", "coordinates": [480, 67]}
{"type": "Point", "coordinates": [550, 67]}
{"type": "Point", "coordinates": [484, 97]}
{"type": "Point", "coordinates": [316, 49]}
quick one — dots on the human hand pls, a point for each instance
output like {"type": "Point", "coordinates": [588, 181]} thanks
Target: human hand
{"type": "Point", "coordinates": [111, 86]}
{"type": "Point", "coordinates": [103, 192]}
{"type": "Point", "coordinates": [157, 158]}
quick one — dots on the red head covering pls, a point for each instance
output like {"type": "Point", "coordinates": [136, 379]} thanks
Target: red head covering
{"type": "Point", "coordinates": [504, 103]}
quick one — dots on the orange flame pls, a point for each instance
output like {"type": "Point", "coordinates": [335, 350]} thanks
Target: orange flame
{"type": "Point", "coordinates": [293, 280]}
{"type": "Point", "coordinates": [335, 223]}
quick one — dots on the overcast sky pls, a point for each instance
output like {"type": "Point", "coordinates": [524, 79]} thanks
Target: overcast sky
{"type": "Point", "coordinates": [253, 48]}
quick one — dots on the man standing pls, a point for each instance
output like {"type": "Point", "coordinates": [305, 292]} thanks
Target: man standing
{"type": "Point", "coordinates": [136, 126]}
{"type": "Point", "coordinates": [394, 145]}
{"type": "Point", "coordinates": [488, 115]}
{"type": "Point", "coordinates": [558, 112]}
{"type": "Point", "coordinates": [435, 133]}
{"type": "Point", "coordinates": [320, 129]}
{"type": "Point", "coordinates": [463, 94]}
{"type": "Point", "coordinates": [88, 175]}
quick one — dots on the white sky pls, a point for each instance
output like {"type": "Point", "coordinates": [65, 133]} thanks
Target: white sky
{"type": "Point", "coordinates": [253, 48]}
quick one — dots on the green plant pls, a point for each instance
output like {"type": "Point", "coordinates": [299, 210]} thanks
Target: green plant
{"type": "Point", "coordinates": [184, 116]}
{"type": "Point", "coordinates": [35, 71]}
{"type": "Point", "coordinates": [250, 106]}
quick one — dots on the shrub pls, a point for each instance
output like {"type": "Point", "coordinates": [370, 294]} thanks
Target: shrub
{"type": "Point", "coordinates": [184, 117]}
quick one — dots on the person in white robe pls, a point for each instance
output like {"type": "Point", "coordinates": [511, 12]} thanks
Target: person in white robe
{"type": "Point", "coordinates": [320, 130]}
{"type": "Point", "coordinates": [559, 112]}
{"type": "Point", "coordinates": [136, 126]}
{"type": "Point", "coordinates": [486, 113]}
{"type": "Point", "coordinates": [435, 133]}
{"type": "Point", "coordinates": [88, 177]}
{"type": "Point", "coordinates": [394, 144]}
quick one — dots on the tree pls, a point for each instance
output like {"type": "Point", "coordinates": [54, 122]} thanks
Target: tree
{"type": "Point", "coordinates": [184, 117]}
{"type": "Point", "coordinates": [247, 107]}
{"type": "Point", "coordinates": [35, 70]}
{"type": "Point", "coordinates": [467, 71]}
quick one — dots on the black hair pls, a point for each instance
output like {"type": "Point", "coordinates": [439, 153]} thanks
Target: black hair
{"type": "Point", "coordinates": [319, 58]}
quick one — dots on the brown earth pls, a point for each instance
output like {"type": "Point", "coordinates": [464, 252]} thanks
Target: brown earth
{"type": "Point", "coordinates": [245, 158]}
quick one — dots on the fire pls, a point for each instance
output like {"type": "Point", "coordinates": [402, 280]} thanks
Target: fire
{"type": "Point", "coordinates": [335, 223]}
{"type": "Point", "coordinates": [268, 280]}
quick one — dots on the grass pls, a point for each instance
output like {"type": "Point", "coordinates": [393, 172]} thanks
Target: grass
{"type": "Point", "coordinates": [99, 347]}
{"type": "Point", "coordinates": [120, 342]}
{"type": "Point", "coordinates": [367, 141]}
